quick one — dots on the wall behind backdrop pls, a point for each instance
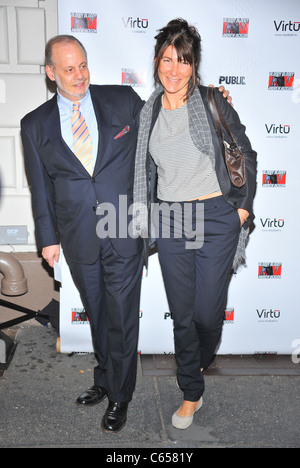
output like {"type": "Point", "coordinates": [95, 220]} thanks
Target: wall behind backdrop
{"type": "Point", "coordinates": [251, 48]}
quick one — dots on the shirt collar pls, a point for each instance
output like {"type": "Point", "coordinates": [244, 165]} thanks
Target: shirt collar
{"type": "Point", "coordinates": [67, 105]}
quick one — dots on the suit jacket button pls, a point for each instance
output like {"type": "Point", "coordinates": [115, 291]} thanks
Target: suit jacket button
{"type": "Point", "coordinates": [93, 179]}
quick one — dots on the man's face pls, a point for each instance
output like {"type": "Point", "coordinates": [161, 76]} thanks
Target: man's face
{"type": "Point", "coordinates": [70, 70]}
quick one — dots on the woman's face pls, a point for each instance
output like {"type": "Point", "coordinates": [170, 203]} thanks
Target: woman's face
{"type": "Point", "coordinates": [174, 76]}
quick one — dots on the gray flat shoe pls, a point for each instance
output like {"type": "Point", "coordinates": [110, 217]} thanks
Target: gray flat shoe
{"type": "Point", "coordinates": [183, 422]}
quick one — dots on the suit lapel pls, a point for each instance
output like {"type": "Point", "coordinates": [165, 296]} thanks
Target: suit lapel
{"type": "Point", "coordinates": [103, 114]}
{"type": "Point", "coordinates": [53, 131]}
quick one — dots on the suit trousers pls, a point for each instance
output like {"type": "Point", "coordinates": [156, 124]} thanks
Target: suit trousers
{"type": "Point", "coordinates": [196, 281]}
{"type": "Point", "coordinates": [110, 291]}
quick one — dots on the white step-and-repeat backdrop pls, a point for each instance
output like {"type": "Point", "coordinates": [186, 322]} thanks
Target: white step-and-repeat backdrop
{"type": "Point", "coordinates": [252, 48]}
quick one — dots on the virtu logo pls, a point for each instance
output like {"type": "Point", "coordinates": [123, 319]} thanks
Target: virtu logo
{"type": "Point", "coordinates": [272, 224]}
{"type": "Point", "coordinates": [137, 23]}
{"type": "Point", "coordinates": [278, 130]}
{"type": "Point", "coordinates": [290, 26]}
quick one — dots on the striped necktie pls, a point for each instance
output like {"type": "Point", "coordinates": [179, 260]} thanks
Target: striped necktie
{"type": "Point", "coordinates": [82, 139]}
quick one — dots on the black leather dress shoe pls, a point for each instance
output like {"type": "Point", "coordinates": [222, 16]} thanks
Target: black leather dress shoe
{"type": "Point", "coordinates": [115, 417]}
{"type": "Point", "coordinates": [92, 396]}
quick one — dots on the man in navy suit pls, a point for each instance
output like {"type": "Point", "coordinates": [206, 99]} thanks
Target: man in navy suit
{"type": "Point", "coordinates": [65, 197]}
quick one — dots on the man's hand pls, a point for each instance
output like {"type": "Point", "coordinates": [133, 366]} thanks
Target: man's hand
{"type": "Point", "coordinates": [51, 254]}
{"type": "Point", "coordinates": [225, 93]}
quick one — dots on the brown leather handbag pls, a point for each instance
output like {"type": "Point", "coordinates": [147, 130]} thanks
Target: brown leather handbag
{"type": "Point", "coordinates": [234, 158]}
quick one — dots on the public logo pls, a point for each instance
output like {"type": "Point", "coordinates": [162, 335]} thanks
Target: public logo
{"type": "Point", "coordinates": [277, 130]}
{"type": "Point", "coordinates": [235, 27]}
{"type": "Point", "coordinates": [168, 315]}
{"type": "Point", "coordinates": [269, 270]}
{"type": "Point", "coordinates": [232, 80]}
{"type": "Point", "coordinates": [83, 22]}
{"type": "Point", "coordinates": [274, 179]}
{"type": "Point", "coordinates": [281, 81]}
{"type": "Point", "coordinates": [79, 316]}
{"type": "Point", "coordinates": [134, 78]}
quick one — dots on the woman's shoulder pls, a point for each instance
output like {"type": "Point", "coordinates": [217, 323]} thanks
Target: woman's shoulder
{"type": "Point", "coordinates": [218, 95]}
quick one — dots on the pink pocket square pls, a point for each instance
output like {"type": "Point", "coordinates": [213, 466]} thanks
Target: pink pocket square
{"type": "Point", "coordinates": [123, 132]}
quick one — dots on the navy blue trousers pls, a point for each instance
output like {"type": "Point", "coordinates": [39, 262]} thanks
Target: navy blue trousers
{"type": "Point", "coordinates": [110, 292]}
{"type": "Point", "coordinates": [196, 282]}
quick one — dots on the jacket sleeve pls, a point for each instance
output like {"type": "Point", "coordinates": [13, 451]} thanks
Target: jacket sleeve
{"type": "Point", "coordinates": [41, 192]}
{"type": "Point", "coordinates": [239, 132]}
{"type": "Point", "coordinates": [136, 106]}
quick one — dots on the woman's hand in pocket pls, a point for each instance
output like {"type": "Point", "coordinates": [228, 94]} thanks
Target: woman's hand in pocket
{"type": "Point", "coordinates": [243, 214]}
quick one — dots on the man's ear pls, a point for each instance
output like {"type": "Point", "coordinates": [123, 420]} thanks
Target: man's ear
{"type": "Point", "coordinates": [50, 73]}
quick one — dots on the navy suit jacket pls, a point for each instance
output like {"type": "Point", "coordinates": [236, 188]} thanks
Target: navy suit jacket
{"type": "Point", "coordinates": [64, 195]}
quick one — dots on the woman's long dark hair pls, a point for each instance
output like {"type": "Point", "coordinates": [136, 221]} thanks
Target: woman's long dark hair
{"type": "Point", "coordinates": [187, 42]}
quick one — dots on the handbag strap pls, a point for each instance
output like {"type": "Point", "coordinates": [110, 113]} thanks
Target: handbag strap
{"type": "Point", "coordinates": [217, 114]}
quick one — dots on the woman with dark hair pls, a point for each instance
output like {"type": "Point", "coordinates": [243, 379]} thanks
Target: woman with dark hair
{"type": "Point", "coordinates": [180, 168]}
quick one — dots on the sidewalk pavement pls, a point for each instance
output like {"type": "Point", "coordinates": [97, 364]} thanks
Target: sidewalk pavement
{"type": "Point", "coordinates": [249, 402]}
